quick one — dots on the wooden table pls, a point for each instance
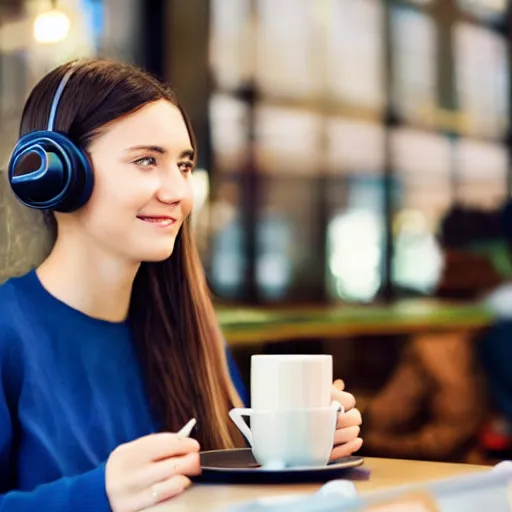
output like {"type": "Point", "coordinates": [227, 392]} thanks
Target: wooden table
{"type": "Point", "coordinates": [382, 473]}
{"type": "Point", "coordinates": [245, 326]}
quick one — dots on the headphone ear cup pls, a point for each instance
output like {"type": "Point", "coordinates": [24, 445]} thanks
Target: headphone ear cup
{"type": "Point", "coordinates": [47, 171]}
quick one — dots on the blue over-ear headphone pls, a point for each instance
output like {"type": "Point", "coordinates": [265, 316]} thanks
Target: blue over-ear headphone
{"type": "Point", "coordinates": [47, 170]}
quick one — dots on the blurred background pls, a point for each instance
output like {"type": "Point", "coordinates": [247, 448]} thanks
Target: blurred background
{"type": "Point", "coordinates": [352, 185]}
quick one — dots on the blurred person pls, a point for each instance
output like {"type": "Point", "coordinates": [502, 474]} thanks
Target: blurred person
{"type": "Point", "coordinates": [111, 344]}
{"type": "Point", "coordinates": [433, 406]}
{"type": "Point", "coordinates": [495, 353]}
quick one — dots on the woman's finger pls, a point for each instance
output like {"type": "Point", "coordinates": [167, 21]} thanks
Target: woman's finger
{"type": "Point", "coordinates": [188, 465]}
{"type": "Point", "coordinates": [345, 435]}
{"type": "Point", "coordinates": [167, 489]}
{"type": "Point", "coordinates": [351, 418]}
{"type": "Point", "coordinates": [339, 384]}
{"type": "Point", "coordinates": [162, 491]}
{"type": "Point", "coordinates": [161, 446]}
{"type": "Point", "coordinates": [347, 400]}
{"type": "Point", "coordinates": [347, 449]}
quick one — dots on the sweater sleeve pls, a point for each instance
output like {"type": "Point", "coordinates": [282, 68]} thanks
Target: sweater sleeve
{"type": "Point", "coordinates": [81, 493]}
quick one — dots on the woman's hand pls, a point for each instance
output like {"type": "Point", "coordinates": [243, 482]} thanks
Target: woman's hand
{"type": "Point", "coordinates": [346, 438]}
{"type": "Point", "coordinates": [150, 470]}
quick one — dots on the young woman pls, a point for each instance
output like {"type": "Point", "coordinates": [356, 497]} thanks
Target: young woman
{"type": "Point", "coordinates": [111, 344]}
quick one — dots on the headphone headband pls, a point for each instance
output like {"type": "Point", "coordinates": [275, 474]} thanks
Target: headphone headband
{"type": "Point", "coordinates": [57, 97]}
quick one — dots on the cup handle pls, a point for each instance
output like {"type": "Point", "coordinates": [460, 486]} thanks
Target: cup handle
{"type": "Point", "coordinates": [237, 415]}
{"type": "Point", "coordinates": [338, 406]}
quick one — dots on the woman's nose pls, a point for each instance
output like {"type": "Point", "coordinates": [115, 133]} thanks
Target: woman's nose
{"type": "Point", "coordinates": [174, 187]}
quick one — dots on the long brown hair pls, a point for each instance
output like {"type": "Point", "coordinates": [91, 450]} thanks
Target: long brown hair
{"type": "Point", "coordinates": [173, 321]}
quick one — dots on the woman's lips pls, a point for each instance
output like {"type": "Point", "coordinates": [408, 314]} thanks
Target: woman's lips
{"type": "Point", "coordinates": [163, 222]}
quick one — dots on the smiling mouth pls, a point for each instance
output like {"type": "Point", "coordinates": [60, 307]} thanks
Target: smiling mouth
{"type": "Point", "coordinates": [159, 221]}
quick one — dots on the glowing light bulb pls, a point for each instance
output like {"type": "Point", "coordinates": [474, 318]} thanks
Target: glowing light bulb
{"type": "Point", "coordinates": [51, 27]}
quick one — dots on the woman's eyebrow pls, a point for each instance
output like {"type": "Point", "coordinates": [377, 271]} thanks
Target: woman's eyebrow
{"type": "Point", "coordinates": [154, 149]}
{"type": "Point", "coordinates": [187, 153]}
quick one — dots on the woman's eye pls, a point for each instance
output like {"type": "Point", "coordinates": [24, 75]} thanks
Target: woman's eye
{"type": "Point", "coordinates": [147, 161]}
{"type": "Point", "coordinates": [186, 166]}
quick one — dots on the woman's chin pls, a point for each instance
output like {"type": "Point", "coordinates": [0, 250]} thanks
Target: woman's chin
{"type": "Point", "coordinates": [158, 254]}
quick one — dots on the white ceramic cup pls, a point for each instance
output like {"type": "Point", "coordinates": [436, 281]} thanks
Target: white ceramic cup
{"type": "Point", "coordinates": [291, 381]}
{"type": "Point", "coordinates": [289, 437]}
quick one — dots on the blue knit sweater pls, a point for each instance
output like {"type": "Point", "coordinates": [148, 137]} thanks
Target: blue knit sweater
{"type": "Point", "coordinates": [70, 392]}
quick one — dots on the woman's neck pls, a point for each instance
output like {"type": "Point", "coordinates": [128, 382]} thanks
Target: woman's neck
{"type": "Point", "coordinates": [89, 280]}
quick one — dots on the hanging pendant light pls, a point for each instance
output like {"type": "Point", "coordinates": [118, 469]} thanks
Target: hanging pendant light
{"type": "Point", "coordinates": [51, 26]}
